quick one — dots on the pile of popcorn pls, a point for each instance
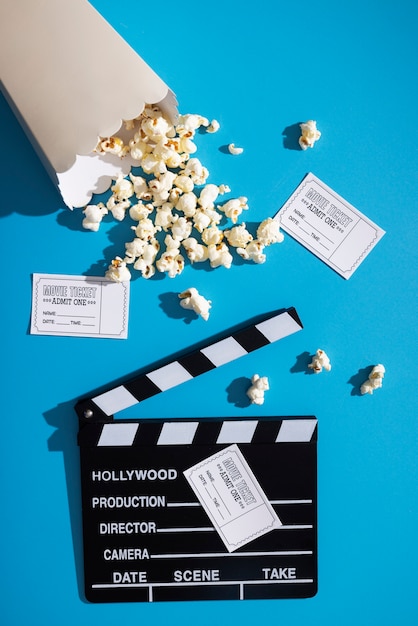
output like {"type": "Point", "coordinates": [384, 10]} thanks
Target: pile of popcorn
{"type": "Point", "coordinates": [173, 197]}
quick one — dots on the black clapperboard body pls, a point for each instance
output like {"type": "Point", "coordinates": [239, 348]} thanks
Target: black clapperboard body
{"type": "Point", "coordinates": [198, 509]}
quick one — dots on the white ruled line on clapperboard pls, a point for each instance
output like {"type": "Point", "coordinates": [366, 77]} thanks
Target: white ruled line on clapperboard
{"type": "Point", "coordinates": [148, 538]}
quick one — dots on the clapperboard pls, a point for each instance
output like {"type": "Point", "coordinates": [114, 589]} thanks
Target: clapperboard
{"type": "Point", "coordinates": [198, 509]}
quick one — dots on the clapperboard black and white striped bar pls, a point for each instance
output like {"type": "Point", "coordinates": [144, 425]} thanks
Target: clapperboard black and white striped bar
{"type": "Point", "coordinates": [197, 509]}
{"type": "Point", "coordinates": [265, 331]}
{"type": "Point", "coordinates": [149, 538]}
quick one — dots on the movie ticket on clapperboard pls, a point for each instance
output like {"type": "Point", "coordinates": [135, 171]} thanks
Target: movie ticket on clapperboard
{"type": "Point", "coordinates": [328, 226]}
{"type": "Point", "coordinates": [232, 497]}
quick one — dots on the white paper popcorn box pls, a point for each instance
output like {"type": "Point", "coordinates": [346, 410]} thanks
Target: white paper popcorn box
{"type": "Point", "coordinates": [71, 78]}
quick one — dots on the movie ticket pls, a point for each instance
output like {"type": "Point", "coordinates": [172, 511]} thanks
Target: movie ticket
{"type": "Point", "coordinates": [232, 497]}
{"type": "Point", "coordinates": [81, 306]}
{"type": "Point", "coordinates": [328, 226]}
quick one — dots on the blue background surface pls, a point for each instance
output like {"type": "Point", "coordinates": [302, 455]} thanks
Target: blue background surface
{"type": "Point", "coordinates": [259, 69]}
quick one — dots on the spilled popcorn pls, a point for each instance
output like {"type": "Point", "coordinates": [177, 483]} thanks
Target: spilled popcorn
{"type": "Point", "coordinates": [319, 362]}
{"type": "Point", "coordinates": [374, 380]}
{"type": "Point", "coordinates": [191, 299]}
{"type": "Point", "coordinates": [260, 384]}
{"type": "Point", "coordinates": [310, 134]}
{"type": "Point", "coordinates": [94, 213]}
{"type": "Point", "coordinates": [233, 149]}
{"type": "Point", "coordinates": [213, 127]}
{"type": "Point", "coordinates": [177, 214]}
{"type": "Point", "coordinates": [117, 271]}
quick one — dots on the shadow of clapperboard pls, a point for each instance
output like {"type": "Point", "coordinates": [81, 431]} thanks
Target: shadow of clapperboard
{"type": "Point", "coordinates": [148, 535]}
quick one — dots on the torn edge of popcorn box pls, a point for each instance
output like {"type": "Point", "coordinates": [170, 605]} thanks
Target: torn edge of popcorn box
{"type": "Point", "coordinates": [62, 66]}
